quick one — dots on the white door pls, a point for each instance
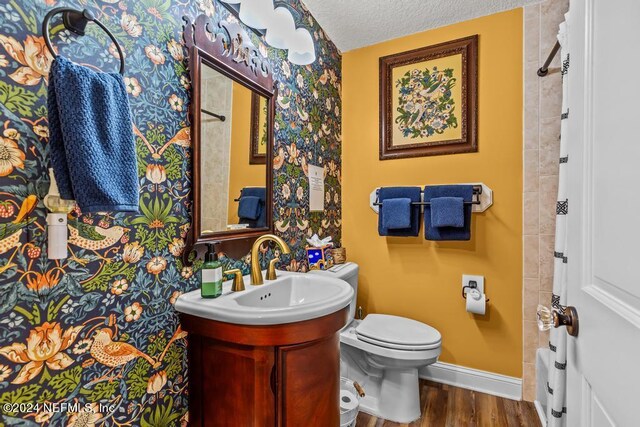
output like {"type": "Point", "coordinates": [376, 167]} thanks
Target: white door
{"type": "Point", "coordinates": [603, 377]}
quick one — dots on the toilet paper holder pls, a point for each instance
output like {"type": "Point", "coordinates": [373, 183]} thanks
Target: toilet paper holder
{"type": "Point", "coordinates": [472, 285]}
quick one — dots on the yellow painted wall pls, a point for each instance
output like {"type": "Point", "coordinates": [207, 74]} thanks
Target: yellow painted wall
{"type": "Point", "coordinates": [421, 279]}
{"type": "Point", "coordinates": [241, 174]}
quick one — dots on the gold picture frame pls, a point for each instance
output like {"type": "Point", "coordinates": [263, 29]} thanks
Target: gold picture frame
{"type": "Point", "coordinates": [258, 148]}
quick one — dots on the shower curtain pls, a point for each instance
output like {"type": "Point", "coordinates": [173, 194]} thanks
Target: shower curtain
{"type": "Point", "coordinates": [556, 385]}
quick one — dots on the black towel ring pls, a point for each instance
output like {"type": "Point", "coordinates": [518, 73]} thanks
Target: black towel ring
{"type": "Point", "coordinates": [76, 21]}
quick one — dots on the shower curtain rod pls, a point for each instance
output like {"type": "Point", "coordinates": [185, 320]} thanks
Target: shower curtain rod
{"type": "Point", "coordinates": [544, 70]}
{"type": "Point", "coordinates": [217, 116]}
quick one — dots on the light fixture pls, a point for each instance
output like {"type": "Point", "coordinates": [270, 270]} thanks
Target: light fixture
{"type": "Point", "coordinates": [277, 26]}
{"type": "Point", "coordinates": [280, 27]}
{"type": "Point", "coordinates": [256, 13]}
{"type": "Point", "coordinates": [301, 48]}
{"type": "Point", "coordinates": [233, 6]}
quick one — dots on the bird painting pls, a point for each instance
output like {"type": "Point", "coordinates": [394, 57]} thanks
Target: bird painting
{"type": "Point", "coordinates": [181, 138]}
{"type": "Point", "coordinates": [115, 353]}
{"type": "Point", "coordinates": [177, 335]}
{"type": "Point", "coordinates": [93, 237]}
{"type": "Point", "coordinates": [278, 160]}
{"type": "Point", "coordinates": [11, 232]}
{"type": "Point", "coordinates": [9, 237]}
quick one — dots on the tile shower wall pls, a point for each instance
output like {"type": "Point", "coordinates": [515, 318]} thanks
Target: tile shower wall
{"type": "Point", "coordinates": [217, 96]}
{"type": "Point", "coordinates": [542, 100]}
{"type": "Point", "coordinates": [53, 312]}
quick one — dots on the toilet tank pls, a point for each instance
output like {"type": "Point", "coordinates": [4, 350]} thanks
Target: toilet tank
{"type": "Point", "coordinates": [349, 273]}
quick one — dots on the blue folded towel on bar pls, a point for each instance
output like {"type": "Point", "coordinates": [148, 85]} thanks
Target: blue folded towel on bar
{"type": "Point", "coordinates": [388, 193]}
{"type": "Point", "coordinates": [465, 192]}
{"type": "Point", "coordinates": [261, 220]}
{"type": "Point", "coordinates": [396, 213]}
{"type": "Point", "coordinates": [249, 207]}
{"type": "Point", "coordinates": [447, 212]}
{"type": "Point", "coordinates": [91, 138]}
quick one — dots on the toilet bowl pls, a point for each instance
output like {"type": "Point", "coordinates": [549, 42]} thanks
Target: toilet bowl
{"type": "Point", "coordinates": [384, 353]}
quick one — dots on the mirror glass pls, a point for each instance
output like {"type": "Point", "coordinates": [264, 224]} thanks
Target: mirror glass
{"type": "Point", "coordinates": [233, 155]}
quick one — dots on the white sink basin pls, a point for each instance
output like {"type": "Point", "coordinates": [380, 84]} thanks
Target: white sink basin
{"type": "Point", "coordinates": [292, 297]}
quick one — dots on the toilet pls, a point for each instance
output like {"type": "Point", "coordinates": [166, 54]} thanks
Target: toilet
{"type": "Point", "coordinates": [384, 353]}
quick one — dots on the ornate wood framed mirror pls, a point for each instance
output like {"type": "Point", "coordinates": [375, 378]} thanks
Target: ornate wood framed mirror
{"type": "Point", "coordinates": [232, 115]}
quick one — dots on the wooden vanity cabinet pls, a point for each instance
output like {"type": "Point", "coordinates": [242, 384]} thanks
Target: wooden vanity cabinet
{"type": "Point", "coordinates": [262, 376]}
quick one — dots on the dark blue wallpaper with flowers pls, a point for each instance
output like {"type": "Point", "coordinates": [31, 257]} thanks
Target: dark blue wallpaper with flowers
{"type": "Point", "coordinates": [96, 333]}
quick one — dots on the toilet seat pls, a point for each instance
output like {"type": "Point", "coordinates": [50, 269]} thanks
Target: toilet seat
{"type": "Point", "coordinates": [399, 346]}
{"type": "Point", "coordinates": [398, 333]}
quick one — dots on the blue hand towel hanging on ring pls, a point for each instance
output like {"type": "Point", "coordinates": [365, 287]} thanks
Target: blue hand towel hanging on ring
{"type": "Point", "coordinates": [91, 138]}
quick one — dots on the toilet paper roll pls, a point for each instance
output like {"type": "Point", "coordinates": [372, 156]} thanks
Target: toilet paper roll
{"type": "Point", "coordinates": [348, 400]}
{"type": "Point", "coordinates": [476, 302]}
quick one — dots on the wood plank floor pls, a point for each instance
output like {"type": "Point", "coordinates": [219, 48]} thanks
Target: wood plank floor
{"type": "Point", "coordinates": [448, 406]}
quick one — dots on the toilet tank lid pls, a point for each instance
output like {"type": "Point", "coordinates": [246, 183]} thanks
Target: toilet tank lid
{"type": "Point", "coordinates": [340, 271]}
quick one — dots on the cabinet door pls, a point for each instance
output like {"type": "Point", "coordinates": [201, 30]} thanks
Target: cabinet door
{"type": "Point", "coordinates": [235, 385]}
{"type": "Point", "coordinates": [308, 383]}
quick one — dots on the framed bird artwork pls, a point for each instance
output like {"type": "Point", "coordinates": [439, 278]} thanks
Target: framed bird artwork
{"type": "Point", "coordinates": [429, 100]}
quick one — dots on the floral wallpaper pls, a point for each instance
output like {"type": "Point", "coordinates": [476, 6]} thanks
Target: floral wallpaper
{"type": "Point", "coordinates": [93, 340]}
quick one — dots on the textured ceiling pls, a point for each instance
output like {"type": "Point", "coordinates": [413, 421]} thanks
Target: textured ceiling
{"type": "Point", "coordinates": [356, 23]}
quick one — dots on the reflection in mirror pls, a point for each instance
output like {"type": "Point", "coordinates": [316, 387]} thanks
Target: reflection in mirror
{"type": "Point", "coordinates": [258, 154]}
{"type": "Point", "coordinates": [232, 184]}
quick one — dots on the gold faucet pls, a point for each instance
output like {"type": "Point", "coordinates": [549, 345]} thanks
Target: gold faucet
{"type": "Point", "coordinates": [238, 283]}
{"type": "Point", "coordinates": [256, 273]}
{"type": "Point", "coordinates": [271, 271]}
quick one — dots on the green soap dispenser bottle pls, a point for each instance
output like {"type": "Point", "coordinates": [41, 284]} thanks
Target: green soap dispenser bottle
{"type": "Point", "coordinates": [211, 274]}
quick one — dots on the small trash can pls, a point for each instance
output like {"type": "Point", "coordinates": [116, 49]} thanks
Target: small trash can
{"type": "Point", "coordinates": [350, 395]}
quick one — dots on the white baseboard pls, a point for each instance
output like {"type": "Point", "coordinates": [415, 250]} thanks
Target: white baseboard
{"type": "Point", "coordinates": [474, 379]}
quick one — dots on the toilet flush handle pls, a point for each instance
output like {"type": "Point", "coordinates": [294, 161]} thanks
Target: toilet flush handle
{"type": "Point", "coordinates": [556, 318]}
{"type": "Point", "coordinates": [359, 389]}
